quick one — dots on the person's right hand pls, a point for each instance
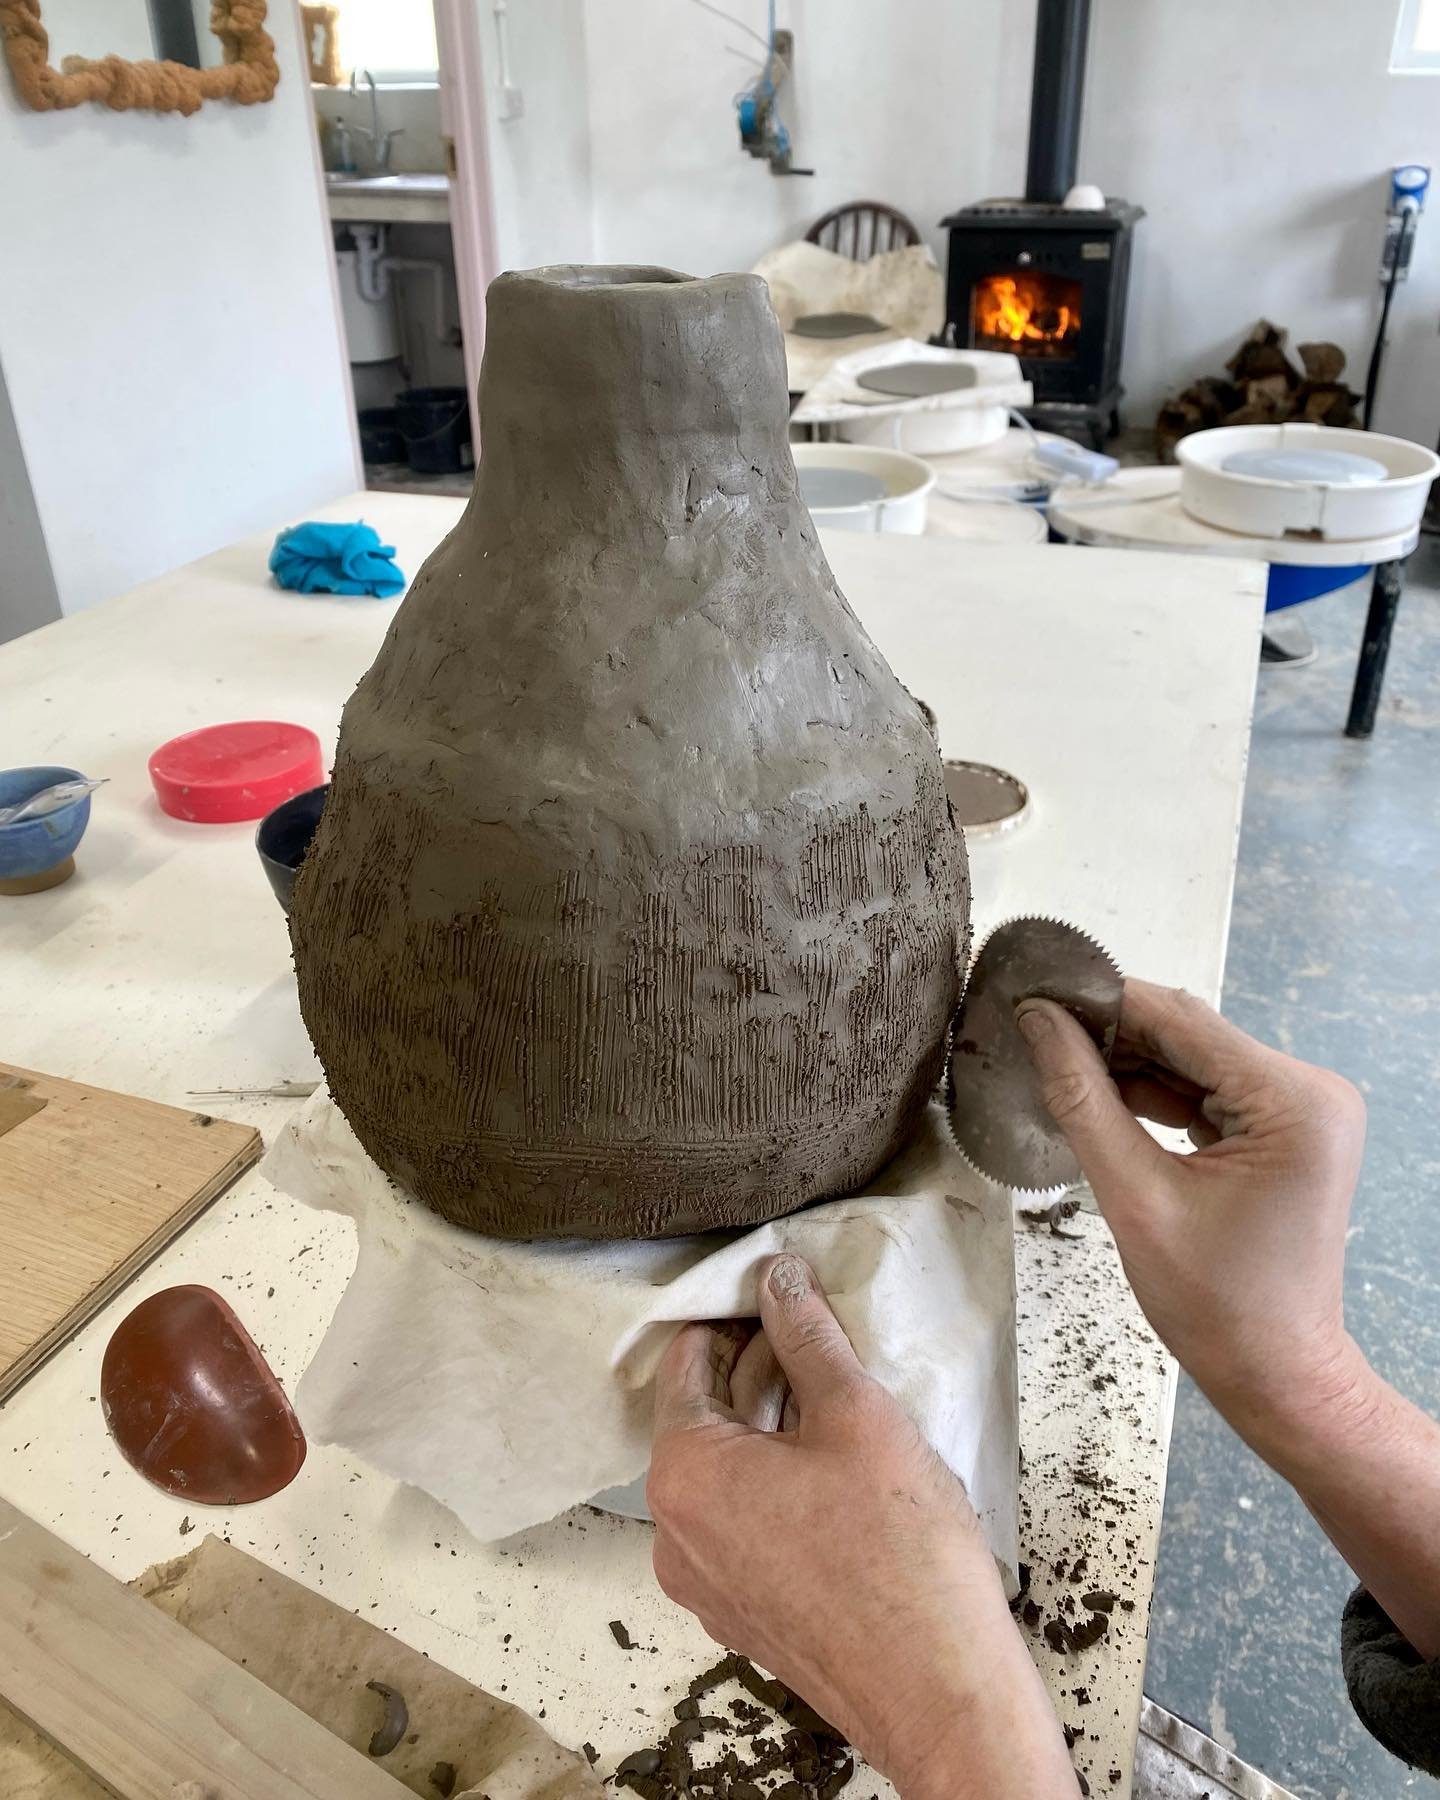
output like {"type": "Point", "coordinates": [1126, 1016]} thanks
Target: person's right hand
{"type": "Point", "coordinates": [1235, 1252]}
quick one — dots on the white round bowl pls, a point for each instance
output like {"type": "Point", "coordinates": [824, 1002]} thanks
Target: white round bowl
{"type": "Point", "coordinates": [1263, 507]}
{"type": "Point", "coordinates": [907, 482]}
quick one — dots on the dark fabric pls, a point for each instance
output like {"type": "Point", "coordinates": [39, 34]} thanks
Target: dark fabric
{"type": "Point", "coordinates": [1395, 1693]}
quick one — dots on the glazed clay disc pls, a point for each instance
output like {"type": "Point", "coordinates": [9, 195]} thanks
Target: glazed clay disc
{"type": "Point", "coordinates": [836, 325]}
{"type": "Point", "coordinates": [914, 380]}
{"type": "Point", "coordinates": [985, 799]}
{"type": "Point", "coordinates": [193, 1405]}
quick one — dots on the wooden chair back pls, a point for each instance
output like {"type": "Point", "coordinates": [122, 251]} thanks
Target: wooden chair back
{"type": "Point", "coordinates": [862, 229]}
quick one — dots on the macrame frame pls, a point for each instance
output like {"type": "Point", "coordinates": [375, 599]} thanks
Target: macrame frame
{"type": "Point", "coordinates": [248, 74]}
{"type": "Point", "coordinates": [322, 43]}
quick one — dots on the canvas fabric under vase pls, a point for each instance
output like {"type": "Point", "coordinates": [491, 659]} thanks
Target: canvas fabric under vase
{"type": "Point", "coordinates": [512, 1381]}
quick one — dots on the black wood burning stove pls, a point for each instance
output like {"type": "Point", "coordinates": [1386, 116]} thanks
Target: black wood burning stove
{"type": "Point", "coordinates": [1044, 283]}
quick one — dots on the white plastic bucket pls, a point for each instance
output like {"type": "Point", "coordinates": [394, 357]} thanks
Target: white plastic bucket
{"type": "Point", "coordinates": [907, 483]}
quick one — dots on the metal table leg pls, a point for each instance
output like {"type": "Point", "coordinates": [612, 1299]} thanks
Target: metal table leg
{"type": "Point", "coordinates": [1385, 594]}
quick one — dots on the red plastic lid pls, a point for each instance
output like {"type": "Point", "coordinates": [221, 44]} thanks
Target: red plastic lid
{"type": "Point", "coordinates": [240, 771]}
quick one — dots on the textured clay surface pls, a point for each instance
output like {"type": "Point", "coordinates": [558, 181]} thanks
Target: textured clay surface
{"type": "Point", "coordinates": [637, 906]}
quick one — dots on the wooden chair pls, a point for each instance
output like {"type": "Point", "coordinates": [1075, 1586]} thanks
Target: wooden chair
{"type": "Point", "coordinates": [863, 229]}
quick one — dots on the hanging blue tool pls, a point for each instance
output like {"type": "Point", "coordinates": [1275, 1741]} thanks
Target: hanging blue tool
{"type": "Point", "coordinates": [762, 132]}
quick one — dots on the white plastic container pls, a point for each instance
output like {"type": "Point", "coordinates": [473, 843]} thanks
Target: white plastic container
{"type": "Point", "coordinates": [1262, 507]}
{"type": "Point", "coordinates": [907, 482]}
{"type": "Point", "coordinates": [372, 332]}
{"type": "Point", "coordinates": [930, 433]}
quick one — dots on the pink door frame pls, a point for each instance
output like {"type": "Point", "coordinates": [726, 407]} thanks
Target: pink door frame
{"type": "Point", "coordinates": [472, 200]}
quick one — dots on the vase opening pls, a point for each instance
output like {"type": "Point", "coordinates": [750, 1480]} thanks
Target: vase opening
{"type": "Point", "coordinates": [612, 275]}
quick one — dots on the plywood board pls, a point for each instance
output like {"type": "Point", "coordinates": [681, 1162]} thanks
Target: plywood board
{"type": "Point", "coordinates": [143, 1705]}
{"type": "Point", "coordinates": [92, 1185]}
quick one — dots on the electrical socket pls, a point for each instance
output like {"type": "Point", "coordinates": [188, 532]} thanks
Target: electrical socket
{"type": "Point", "coordinates": [512, 101]}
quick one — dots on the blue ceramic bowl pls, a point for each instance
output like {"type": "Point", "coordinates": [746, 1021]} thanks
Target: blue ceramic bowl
{"type": "Point", "coordinates": [36, 853]}
{"type": "Point", "coordinates": [284, 837]}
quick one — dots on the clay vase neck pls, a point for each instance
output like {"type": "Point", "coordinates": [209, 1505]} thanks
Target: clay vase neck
{"type": "Point", "coordinates": [624, 402]}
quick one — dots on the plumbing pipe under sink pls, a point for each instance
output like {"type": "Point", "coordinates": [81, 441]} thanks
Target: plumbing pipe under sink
{"type": "Point", "coordinates": [373, 269]}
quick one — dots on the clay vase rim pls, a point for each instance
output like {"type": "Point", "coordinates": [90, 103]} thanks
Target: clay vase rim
{"type": "Point", "coordinates": [593, 279]}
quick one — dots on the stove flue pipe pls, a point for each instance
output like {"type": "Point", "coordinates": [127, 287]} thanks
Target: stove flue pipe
{"type": "Point", "coordinates": [1062, 28]}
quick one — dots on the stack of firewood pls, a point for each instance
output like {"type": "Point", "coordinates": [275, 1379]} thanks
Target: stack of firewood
{"type": "Point", "coordinates": [1262, 387]}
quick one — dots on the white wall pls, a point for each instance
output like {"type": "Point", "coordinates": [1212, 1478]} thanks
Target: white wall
{"type": "Point", "coordinates": [1257, 136]}
{"type": "Point", "coordinates": [1260, 139]}
{"type": "Point", "coordinates": [904, 103]}
{"type": "Point", "coordinates": [540, 161]}
{"type": "Point", "coordinates": [167, 327]}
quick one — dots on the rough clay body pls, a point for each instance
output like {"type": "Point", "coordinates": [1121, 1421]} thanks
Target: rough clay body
{"type": "Point", "coordinates": [637, 906]}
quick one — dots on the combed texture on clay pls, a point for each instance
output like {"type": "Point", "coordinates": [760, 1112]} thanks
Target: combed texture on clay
{"type": "Point", "coordinates": [637, 906]}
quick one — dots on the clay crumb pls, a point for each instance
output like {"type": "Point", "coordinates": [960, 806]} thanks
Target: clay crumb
{"type": "Point", "coordinates": [811, 1761]}
{"type": "Point", "coordinates": [1091, 1632]}
{"type": "Point", "coordinates": [185, 1526]}
{"type": "Point", "coordinates": [621, 1635]}
{"type": "Point", "coordinates": [1053, 1217]}
{"type": "Point", "coordinates": [442, 1779]}
{"type": "Point", "coordinates": [592, 1755]}
{"type": "Point", "coordinates": [395, 1723]}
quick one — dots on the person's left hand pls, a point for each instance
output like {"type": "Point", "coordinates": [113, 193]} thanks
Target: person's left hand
{"type": "Point", "coordinates": [842, 1554]}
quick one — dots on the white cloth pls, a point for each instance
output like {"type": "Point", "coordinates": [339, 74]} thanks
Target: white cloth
{"type": "Point", "coordinates": [513, 1380]}
{"type": "Point", "coordinates": [903, 289]}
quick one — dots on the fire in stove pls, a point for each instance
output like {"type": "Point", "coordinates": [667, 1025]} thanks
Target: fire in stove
{"type": "Point", "coordinates": [1039, 313]}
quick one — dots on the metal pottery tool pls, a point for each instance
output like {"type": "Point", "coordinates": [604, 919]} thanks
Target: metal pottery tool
{"type": "Point", "coordinates": [998, 1118]}
{"type": "Point", "coordinates": [50, 799]}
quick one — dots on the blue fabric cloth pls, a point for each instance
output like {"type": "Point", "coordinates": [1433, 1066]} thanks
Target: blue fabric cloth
{"type": "Point", "coordinates": [335, 559]}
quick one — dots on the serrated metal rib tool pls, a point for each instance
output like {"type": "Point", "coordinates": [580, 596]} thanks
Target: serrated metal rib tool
{"type": "Point", "coordinates": [998, 1118]}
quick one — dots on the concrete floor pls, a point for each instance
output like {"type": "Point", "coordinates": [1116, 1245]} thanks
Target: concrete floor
{"type": "Point", "coordinates": [1334, 956]}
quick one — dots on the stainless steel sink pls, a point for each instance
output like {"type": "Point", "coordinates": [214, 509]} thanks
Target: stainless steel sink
{"type": "Point", "coordinates": [421, 183]}
{"type": "Point", "coordinates": [421, 198]}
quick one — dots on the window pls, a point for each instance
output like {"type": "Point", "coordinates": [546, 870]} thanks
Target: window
{"type": "Point", "coordinates": [1417, 39]}
{"type": "Point", "coordinates": [393, 39]}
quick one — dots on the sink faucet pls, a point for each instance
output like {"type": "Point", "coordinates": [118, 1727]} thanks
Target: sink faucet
{"type": "Point", "coordinates": [380, 141]}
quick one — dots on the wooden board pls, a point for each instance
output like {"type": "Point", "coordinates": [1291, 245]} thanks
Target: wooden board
{"type": "Point", "coordinates": [143, 1705]}
{"type": "Point", "coordinates": [92, 1185]}
{"type": "Point", "coordinates": [320, 1657]}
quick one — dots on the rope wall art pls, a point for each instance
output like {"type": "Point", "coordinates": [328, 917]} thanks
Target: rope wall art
{"type": "Point", "coordinates": [248, 74]}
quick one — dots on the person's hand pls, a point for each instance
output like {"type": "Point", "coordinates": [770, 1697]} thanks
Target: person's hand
{"type": "Point", "coordinates": [841, 1554]}
{"type": "Point", "coordinates": [1235, 1252]}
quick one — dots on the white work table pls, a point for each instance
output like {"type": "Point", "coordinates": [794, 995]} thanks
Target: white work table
{"type": "Point", "coordinates": [1117, 685]}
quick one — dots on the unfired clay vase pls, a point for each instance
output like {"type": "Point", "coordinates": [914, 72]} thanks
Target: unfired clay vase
{"type": "Point", "coordinates": [637, 905]}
